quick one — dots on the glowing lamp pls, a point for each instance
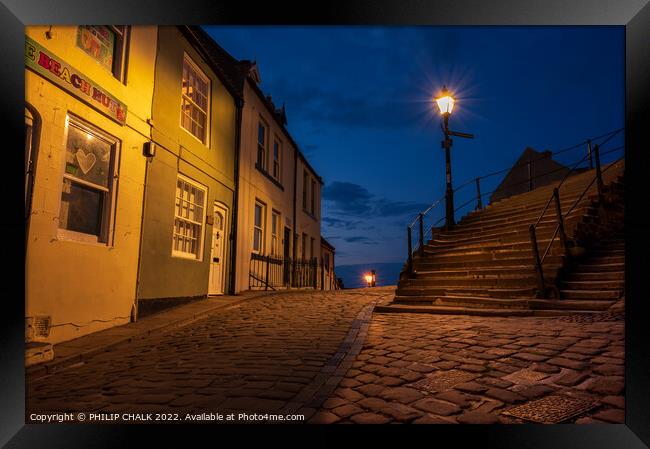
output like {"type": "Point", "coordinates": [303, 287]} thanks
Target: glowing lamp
{"type": "Point", "coordinates": [368, 278]}
{"type": "Point", "coordinates": [445, 102]}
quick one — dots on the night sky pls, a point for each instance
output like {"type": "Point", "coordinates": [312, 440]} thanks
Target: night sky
{"type": "Point", "coordinates": [358, 102]}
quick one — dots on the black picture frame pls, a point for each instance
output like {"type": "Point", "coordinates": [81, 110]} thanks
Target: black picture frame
{"type": "Point", "coordinates": [634, 15]}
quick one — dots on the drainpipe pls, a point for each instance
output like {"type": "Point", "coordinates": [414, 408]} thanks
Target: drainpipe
{"type": "Point", "coordinates": [239, 103]}
{"type": "Point", "coordinates": [148, 160]}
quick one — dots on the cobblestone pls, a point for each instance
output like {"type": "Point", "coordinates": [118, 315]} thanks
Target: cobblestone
{"type": "Point", "coordinates": [564, 353]}
{"type": "Point", "coordinates": [300, 352]}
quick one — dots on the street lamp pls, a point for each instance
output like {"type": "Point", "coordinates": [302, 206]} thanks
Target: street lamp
{"type": "Point", "coordinates": [370, 278]}
{"type": "Point", "coordinates": [446, 104]}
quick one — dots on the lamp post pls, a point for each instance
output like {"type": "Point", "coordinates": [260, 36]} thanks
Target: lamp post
{"type": "Point", "coordinates": [446, 104]}
{"type": "Point", "coordinates": [370, 278]}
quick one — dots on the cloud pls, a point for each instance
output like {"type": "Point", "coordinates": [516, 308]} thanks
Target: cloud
{"type": "Point", "coordinates": [351, 199]}
{"type": "Point", "coordinates": [360, 239]}
{"type": "Point", "coordinates": [348, 198]}
{"type": "Point", "coordinates": [339, 223]}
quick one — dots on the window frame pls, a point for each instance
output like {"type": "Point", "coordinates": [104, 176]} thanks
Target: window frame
{"type": "Point", "coordinates": [263, 148]}
{"type": "Point", "coordinates": [106, 235]}
{"type": "Point", "coordinates": [305, 187]}
{"type": "Point", "coordinates": [260, 228]}
{"type": "Point", "coordinates": [277, 162]}
{"type": "Point", "coordinates": [120, 50]}
{"type": "Point", "coordinates": [201, 74]}
{"type": "Point", "coordinates": [182, 254]}
{"type": "Point", "coordinates": [275, 239]}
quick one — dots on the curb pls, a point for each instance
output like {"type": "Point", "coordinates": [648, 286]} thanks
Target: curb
{"type": "Point", "coordinates": [42, 369]}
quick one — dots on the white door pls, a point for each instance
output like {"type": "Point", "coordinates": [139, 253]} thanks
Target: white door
{"type": "Point", "coordinates": [218, 251]}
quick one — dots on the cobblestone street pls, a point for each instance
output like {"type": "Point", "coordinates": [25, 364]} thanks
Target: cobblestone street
{"type": "Point", "coordinates": [478, 367]}
{"type": "Point", "coordinates": [308, 353]}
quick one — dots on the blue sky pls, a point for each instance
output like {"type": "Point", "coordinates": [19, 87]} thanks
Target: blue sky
{"type": "Point", "coordinates": [358, 102]}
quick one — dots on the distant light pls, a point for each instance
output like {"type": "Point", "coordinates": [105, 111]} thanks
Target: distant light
{"type": "Point", "coordinates": [445, 102]}
{"type": "Point", "coordinates": [368, 278]}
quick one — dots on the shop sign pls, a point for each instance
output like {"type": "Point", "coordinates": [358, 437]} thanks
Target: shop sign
{"type": "Point", "coordinates": [53, 68]}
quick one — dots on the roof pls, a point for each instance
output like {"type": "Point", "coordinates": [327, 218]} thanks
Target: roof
{"type": "Point", "coordinates": [544, 171]}
{"type": "Point", "coordinates": [234, 73]}
{"type": "Point", "coordinates": [326, 244]}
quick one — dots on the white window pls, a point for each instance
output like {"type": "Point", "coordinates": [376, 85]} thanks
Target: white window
{"type": "Point", "coordinates": [195, 100]}
{"type": "Point", "coordinates": [88, 194]}
{"type": "Point", "coordinates": [261, 145]}
{"type": "Point", "coordinates": [258, 227]}
{"type": "Point", "coordinates": [107, 45]}
{"type": "Point", "coordinates": [277, 157]}
{"type": "Point", "coordinates": [275, 224]}
{"type": "Point", "coordinates": [189, 218]}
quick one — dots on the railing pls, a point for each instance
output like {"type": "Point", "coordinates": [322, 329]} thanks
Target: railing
{"type": "Point", "coordinates": [559, 229]}
{"type": "Point", "coordinates": [426, 223]}
{"type": "Point", "coordinates": [272, 273]}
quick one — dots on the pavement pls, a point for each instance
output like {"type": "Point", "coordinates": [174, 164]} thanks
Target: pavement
{"type": "Point", "coordinates": [326, 357]}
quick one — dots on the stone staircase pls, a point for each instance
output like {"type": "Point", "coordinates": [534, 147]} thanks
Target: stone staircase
{"type": "Point", "coordinates": [485, 264]}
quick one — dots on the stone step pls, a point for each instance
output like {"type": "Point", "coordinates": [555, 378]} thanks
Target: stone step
{"type": "Point", "coordinates": [503, 293]}
{"type": "Point", "coordinates": [603, 260]}
{"type": "Point", "coordinates": [533, 209]}
{"type": "Point", "coordinates": [599, 268]}
{"type": "Point", "coordinates": [521, 224]}
{"type": "Point", "coordinates": [532, 216]}
{"type": "Point", "coordinates": [514, 281]}
{"type": "Point", "coordinates": [487, 248]}
{"type": "Point", "coordinates": [603, 276]}
{"type": "Point", "coordinates": [399, 308]}
{"type": "Point", "coordinates": [594, 285]}
{"type": "Point", "coordinates": [489, 272]}
{"type": "Point", "coordinates": [520, 230]}
{"type": "Point", "coordinates": [606, 252]}
{"type": "Point", "coordinates": [522, 303]}
{"type": "Point", "coordinates": [495, 255]}
{"type": "Point", "coordinates": [590, 294]}
{"type": "Point", "coordinates": [430, 265]}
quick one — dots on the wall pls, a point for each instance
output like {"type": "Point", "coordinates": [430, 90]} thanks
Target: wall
{"type": "Point", "coordinates": [86, 287]}
{"type": "Point", "coordinates": [161, 274]}
{"type": "Point", "coordinates": [255, 185]}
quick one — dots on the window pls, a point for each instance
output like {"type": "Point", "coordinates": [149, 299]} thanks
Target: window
{"type": "Point", "coordinates": [313, 197]}
{"type": "Point", "coordinates": [189, 219]}
{"type": "Point", "coordinates": [275, 224]}
{"type": "Point", "coordinates": [305, 185]}
{"type": "Point", "coordinates": [326, 261]}
{"type": "Point", "coordinates": [311, 249]}
{"type": "Point", "coordinates": [258, 228]}
{"type": "Point", "coordinates": [107, 45]}
{"type": "Point", "coordinates": [304, 247]}
{"type": "Point", "coordinates": [88, 194]}
{"type": "Point", "coordinates": [261, 145]}
{"type": "Point", "coordinates": [195, 100]}
{"type": "Point", "coordinates": [277, 157]}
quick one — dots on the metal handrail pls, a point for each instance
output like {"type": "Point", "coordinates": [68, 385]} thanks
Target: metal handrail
{"type": "Point", "coordinates": [539, 262]}
{"type": "Point", "coordinates": [419, 219]}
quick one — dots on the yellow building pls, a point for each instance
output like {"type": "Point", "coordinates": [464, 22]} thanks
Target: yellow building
{"type": "Point", "coordinates": [88, 95]}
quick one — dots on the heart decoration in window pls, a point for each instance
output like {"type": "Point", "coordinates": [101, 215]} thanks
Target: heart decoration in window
{"type": "Point", "coordinates": [86, 161]}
